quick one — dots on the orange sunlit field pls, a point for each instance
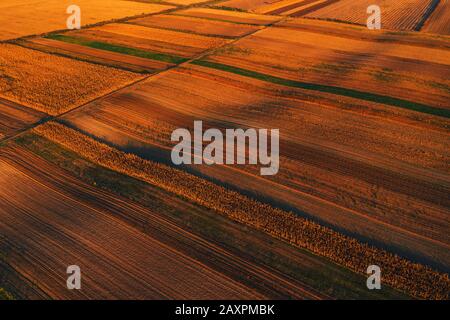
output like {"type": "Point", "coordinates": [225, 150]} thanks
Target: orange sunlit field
{"type": "Point", "coordinates": [87, 171]}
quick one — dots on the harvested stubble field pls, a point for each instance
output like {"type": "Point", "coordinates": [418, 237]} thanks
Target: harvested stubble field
{"type": "Point", "coordinates": [408, 75]}
{"type": "Point", "coordinates": [415, 279]}
{"type": "Point", "coordinates": [396, 15]}
{"type": "Point", "coordinates": [249, 5]}
{"type": "Point", "coordinates": [54, 84]}
{"type": "Point", "coordinates": [104, 57]}
{"type": "Point", "coordinates": [129, 36]}
{"type": "Point", "coordinates": [21, 18]}
{"type": "Point", "coordinates": [196, 25]}
{"type": "Point", "coordinates": [228, 16]}
{"type": "Point", "coordinates": [50, 220]}
{"type": "Point", "coordinates": [360, 32]}
{"type": "Point", "coordinates": [280, 7]}
{"type": "Point", "coordinates": [234, 253]}
{"type": "Point", "coordinates": [364, 154]}
{"type": "Point", "coordinates": [339, 172]}
{"type": "Point", "coordinates": [439, 20]}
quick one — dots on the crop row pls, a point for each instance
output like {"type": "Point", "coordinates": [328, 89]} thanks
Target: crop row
{"type": "Point", "coordinates": [416, 279]}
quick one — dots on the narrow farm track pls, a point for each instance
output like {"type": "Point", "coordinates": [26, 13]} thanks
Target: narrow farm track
{"type": "Point", "coordinates": [92, 207]}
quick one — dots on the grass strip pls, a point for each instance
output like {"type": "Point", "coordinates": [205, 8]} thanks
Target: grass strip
{"type": "Point", "coordinates": [367, 96]}
{"type": "Point", "coordinates": [118, 49]}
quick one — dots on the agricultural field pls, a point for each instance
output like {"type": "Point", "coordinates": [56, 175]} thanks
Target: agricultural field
{"type": "Point", "coordinates": [248, 5]}
{"type": "Point", "coordinates": [14, 117]}
{"type": "Point", "coordinates": [21, 18]}
{"type": "Point", "coordinates": [405, 71]}
{"type": "Point", "coordinates": [294, 8]}
{"type": "Point", "coordinates": [196, 25]}
{"type": "Point", "coordinates": [396, 15]}
{"type": "Point", "coordinates": [415, 279]}
{"type": "Point", "coordinates": [87, 175]}
{"type": "Point", "coordinates": [121, 120]}
{"type": "Point", "coordinates": [134, 47]}
{"type": "Point", "coordinates": [54, 84]}
{"type": "Point", "coordinates": [439, 20]}
{"type": "Point", "coordinates": [87, 234]}
{"type": "Point", "coordinates": [213, 245]}
{"type": "Point", "coordinates": [228, 16]}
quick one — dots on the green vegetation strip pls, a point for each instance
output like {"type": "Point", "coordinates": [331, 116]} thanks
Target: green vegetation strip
{"type": "Point", "coordinates": [373, 97]}
{"type": "Point", "coordinates": [118, 49]}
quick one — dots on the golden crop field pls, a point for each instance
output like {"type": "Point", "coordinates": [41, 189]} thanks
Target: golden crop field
{"type": "Point", "coordinates": [21, 18]}
{"type": "Point", "coordinates": [54, 84]}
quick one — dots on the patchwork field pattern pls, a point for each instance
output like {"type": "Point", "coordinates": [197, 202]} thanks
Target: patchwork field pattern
{"type": "Point", "coordinates": [23, 17]}
{"type": "Point", "coordinates": [86, 176]}
{"type": "Point", "coordinates": [293, 8]}
{"type": "Point", "coordinates": [14, 117]}
{"type": "Point", "coordinates": [439, 21]}
{"type": "Point", "coordinates": [416, 279]}
{"type": "Point", "coordinates": [228, 16]}
{"type": "Point", "coordinates": [53, 84]}
{"type": "Point", "coordinates": [396, 15]}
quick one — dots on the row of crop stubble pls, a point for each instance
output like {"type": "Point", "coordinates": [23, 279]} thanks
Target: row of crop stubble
{"type": "Point", "coordinates": [342, 163]}
{"type": "Point", "coordinates": [51, 220]}
{"type": "Point", "coordinates": [412, 278]}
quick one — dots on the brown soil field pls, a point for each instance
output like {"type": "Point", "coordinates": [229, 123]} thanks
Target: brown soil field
{"type": "Point", "coordinates": [96, 55]}
{"type": "Point", "coordinates": [406, 71]}
{"type": "Point", "coordinates": [23, 17]}
{"type": "Point", "coordinates": [439, 20]}
{"type": "Point", "coordinates": [51, 220]}
{"type": "Point", "coordinates": [230, 16]}
{"type": "Point", "coordinates": [395, 15]}
{"type": "Point", "coordinates": [413, 278]}
{"type": "Point", "coordinates": [14, 117]}
{"type": "Point", "coordinates": [196, 25]}
{"type": "Point", "coordinates": [53, 84]}
{"type": "Point", "coordinates": [360, 33]}
{"type": "Point", "coordinates": [319, 176]}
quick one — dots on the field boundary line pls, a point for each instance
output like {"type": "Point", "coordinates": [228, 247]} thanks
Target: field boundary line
{"type": "Point", "coordinates": [118, 20]}
{"type": "Point", "coordinates": [339, 91]}
{"type": "Point", "coordinates": [142, 79]}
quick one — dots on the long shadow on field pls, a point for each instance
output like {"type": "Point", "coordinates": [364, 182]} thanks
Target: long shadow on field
{"type": "Point", "coordinates": [157, 154]}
